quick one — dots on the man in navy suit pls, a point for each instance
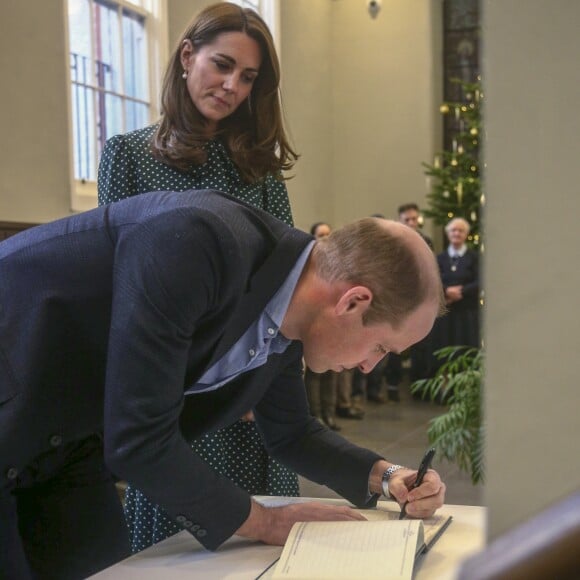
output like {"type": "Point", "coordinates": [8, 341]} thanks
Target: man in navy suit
{"type": "Point", "coordinates": [127, 330]}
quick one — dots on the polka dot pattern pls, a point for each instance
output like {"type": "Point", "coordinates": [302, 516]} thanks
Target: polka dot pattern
{"type": "Point", "coordinates": [238, 454]}
{"type": "Point", "coordinates": [127, 168]}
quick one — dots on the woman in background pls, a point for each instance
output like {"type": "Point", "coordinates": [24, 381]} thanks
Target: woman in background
{"type": "Point", "coordinates": [459, 269]}
{"type": "Point", "coordinates": [221, 128]}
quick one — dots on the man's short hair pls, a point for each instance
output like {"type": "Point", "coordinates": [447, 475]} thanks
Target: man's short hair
{"type": "Point", "coordinates": [366, 253]}
{"type": "Point", "coordinates": [406, 207]}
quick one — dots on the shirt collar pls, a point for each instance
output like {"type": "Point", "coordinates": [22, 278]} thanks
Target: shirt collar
{"type": "Point", "coordinates": [459, 253]}
{"type": "Point", "coordinates": [278, 305]}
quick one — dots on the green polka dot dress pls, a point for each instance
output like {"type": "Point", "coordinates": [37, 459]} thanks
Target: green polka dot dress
{"type": "Point", "coordinates": [127, 168]}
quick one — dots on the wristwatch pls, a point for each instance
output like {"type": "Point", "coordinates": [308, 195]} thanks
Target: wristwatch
{"type": "Point", "coordinates": [386, 476]}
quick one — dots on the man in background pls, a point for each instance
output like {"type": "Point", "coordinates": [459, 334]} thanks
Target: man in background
{"type": "Point", "coordinates": [421, 353]}
{"type": "Point", "coordinates": [409, 215]}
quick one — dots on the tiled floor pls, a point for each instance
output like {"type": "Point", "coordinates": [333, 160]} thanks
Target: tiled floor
{"type": "Point", "coordinates": [399, 433]}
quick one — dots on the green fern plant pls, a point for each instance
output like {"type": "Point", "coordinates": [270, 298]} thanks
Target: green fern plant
{"type": "Point", "coordinates": [458, 433]}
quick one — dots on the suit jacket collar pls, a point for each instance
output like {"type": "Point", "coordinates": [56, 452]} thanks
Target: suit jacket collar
{"type": "Point", "coordinates": [261, 287]}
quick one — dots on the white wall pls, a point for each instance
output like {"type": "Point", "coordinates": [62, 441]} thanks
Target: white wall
{"type": "Point", "coordinates": [532, 272]}
{"type": "Point", "coordinates": [34, 148]}
{"type": "Point", "coordinates": [307, 99]}
{"type": "Point", "coordinates": [385, 103]}
{"type": "Point", "coordinates": [362, 98]}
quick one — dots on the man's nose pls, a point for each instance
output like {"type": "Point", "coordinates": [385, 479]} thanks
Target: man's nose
{"type": "Point", "coordinates": [370, 363]}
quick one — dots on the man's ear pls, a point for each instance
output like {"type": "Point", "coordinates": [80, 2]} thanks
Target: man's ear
{"type": "Point", "coordinates": [355, 300]}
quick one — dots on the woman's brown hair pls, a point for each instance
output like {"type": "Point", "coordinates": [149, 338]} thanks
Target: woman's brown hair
{"type": "Point", "coordinates": [254, 133]}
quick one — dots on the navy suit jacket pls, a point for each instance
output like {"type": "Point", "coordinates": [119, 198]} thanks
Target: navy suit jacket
{"type": "Point", "coordinates": [107, 316]}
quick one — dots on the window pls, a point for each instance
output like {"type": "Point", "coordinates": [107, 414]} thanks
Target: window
{"type": "Point", "coordinates": [269, 10]}
{"type": "Point", "coordinates": [113, 47]}
{"type": "Point", "coordinates": [254, 4]}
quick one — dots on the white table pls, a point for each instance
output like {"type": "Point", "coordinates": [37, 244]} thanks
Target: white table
{"type": "Point", "coordinates": [181, 557]}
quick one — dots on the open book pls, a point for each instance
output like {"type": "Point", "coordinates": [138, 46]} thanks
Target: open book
{"type": "Point", "coordinates": [382, 547]}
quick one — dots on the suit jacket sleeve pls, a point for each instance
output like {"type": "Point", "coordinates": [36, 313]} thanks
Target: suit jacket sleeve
{"type": "Point", "coordinates": [301, 442]}
{"type": "Point", "coordinates": [162, 292]}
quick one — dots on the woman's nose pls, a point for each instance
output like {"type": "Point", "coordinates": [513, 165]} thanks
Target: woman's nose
{"type": "Point", "coordinates": [230, 83]}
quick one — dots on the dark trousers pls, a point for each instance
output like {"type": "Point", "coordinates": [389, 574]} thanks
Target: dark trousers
{"type": "Point", "coordinates": [422, 366]}
{"type": "Point", "coordinates": [321, 389]}
{"type": "Point", "coordinates": [63, 520]}
{"type": "Point", "coordinates": [390, 368]}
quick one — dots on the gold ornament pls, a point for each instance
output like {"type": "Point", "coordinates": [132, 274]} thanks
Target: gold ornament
{"type": "Point", "coordinates": [473, 168]}
{"type": "Point", "coordinates": [444, 109]}
{"type": "Point", "coordinates": [449, 214]}
{"type": "Point", "coordinates": [473, 131]}
{"type": "Point", "coordinates": [445, 194]}
{"type": "Point", "coordinates": [454, 162]}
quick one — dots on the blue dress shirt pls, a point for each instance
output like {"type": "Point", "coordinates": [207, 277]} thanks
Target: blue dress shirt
{"type": "Point", "coordinates": [262, 338]}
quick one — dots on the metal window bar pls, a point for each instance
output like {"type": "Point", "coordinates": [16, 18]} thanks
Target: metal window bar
{"type": "Point", "coordinates": [94, 95]}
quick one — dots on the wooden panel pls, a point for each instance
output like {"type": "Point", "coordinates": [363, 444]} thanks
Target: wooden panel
{"type": "Point", "coordinates": [8, 229]}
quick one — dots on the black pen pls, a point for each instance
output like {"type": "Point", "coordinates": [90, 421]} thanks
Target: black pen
{"type": "Point", "coordinates": [423, 467]}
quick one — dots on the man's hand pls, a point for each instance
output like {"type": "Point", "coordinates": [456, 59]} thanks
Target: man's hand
{"type": "Point", "coordinates": [272, 525]}
{"type": "Point", "coordinates": [423, 500]}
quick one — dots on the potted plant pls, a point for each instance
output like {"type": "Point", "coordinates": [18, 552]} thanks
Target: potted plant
{"type": "Point", "coordinates": [457, 433]}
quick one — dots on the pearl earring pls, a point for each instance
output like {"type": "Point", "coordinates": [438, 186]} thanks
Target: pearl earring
{"type": "Point", "coordinates": [184, 75]}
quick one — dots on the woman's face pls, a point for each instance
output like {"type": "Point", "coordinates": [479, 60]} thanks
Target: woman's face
{"type": "Point", "coordinates": [322, 231]}
{"type": "Point", "coordinates": [457, 234]}
{"type": "Point", "coordinates": [220, 75]}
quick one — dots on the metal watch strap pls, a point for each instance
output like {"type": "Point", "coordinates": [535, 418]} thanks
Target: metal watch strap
{"type": "Point", "coordinates": [386, 476]}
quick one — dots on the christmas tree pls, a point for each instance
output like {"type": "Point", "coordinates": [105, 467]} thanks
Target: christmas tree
{"type": "Point", "coordinates": [454, 177]}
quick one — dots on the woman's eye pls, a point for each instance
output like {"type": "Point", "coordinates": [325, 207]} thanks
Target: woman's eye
{"type": "Point", "coordinates": [222, 65]}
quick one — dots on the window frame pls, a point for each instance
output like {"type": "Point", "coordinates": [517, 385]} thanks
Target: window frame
{"type": "Point", "coordinates": [84, 192]}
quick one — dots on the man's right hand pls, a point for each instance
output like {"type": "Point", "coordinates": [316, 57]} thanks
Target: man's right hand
{"type": "Point", "coordinates": [272, 525]}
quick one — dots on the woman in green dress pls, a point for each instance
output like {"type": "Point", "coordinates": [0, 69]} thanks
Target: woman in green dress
{"type": "Point", "coordinates": [220, 128]}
